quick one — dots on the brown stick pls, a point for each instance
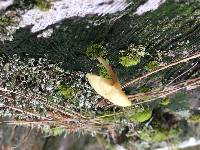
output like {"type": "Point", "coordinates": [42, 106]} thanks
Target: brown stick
{"type": "Point", "coordinates": [162, 68]}
{"type": "Point", "coordinates": [110, 71]}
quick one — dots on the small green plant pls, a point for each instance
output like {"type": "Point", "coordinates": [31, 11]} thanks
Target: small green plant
{"type": "Point", "coordinates": [144, 88]}
{"type": "Point", "coordinates": [157, 135]}
{"type": "Point", "coordinates": [4, 21]}
{"type": "Point", "coordinates": [67, 92]}
{"type": "Point", "coordinates": [140, 115]}
{"type": "Point", "coordinates": [103, 72]}
{"type": "Point", "coordinates": [55, 131]}
{"type": "Point", "coordinates": [165, 101]}
{"type": "Point", "coordinates": [129, 61]}
{"type": "Point", "coordinates": [43, 5]}
{"type": "Point", "coordinates": [195, 118]}
{"type": "Point", "coordinates": [132, 56]}
{"type": "Point", "coordinates": [96, 50]}
{"type": "Point", "coordinates": [154, 135]}
{"type": "Point", "coordinates": [152, 65]}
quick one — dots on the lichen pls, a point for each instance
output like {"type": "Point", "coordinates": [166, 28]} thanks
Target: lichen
{"type": "Point", "coordinates": [132, 56]}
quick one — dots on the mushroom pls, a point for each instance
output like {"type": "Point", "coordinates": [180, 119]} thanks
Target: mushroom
{"type": "Point", "coordinates": [108, 88]}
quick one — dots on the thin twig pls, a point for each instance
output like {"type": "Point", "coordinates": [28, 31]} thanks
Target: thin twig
{"type": "Point", "coordinates": [162, 68]}
{"type": "Point", "coordinates": [45, 102]}
{"type": "Point", "coordinates": [172, 89]}
{"type": "Point", "coordinates": [182, 74]}
{"type": "Point", "coordinates": [26, 112]}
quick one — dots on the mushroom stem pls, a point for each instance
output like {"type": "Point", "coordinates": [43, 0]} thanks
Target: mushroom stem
{"type": "Point", "coordinates": [110, 72]}
{"type": "Point", "coordinates": [109, 89]}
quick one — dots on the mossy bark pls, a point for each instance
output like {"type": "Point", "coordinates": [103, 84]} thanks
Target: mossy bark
{"type": "Point", "coordinates": [166, 33]}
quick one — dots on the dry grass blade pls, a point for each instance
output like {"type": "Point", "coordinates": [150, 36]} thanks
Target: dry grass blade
{"type": "Point", "coordinates": [196, 55]}
{"type": "Point", "coordinates": [51, 105]}
{"type": "Point", "coordinates": [188, 85]}
{"type": "Point", "coordinates": [25, 112]}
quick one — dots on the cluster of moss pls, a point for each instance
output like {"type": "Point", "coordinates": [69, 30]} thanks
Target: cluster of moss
{"type": "Point", "coordinates": [157, 135]}
{"type": "Point", "coordinates": [103, 72]}
{"type": "Point", "coordinates": [195, 117]}
{"type": "Point", "coordinates": [4, 21]}
{"type": "Point", "coordinates": [144, 88]}
{"type": "Point", "coordinates": [140, 114]}
{"type": "Point", "coordinates": [165, 101]}
{"type": "Point", "coordinates": [54, 131]}
{"type": "Point", "coordinates": [179, 101]}
{"type": "Point", "coordinates": [163, 126]}
{"type": "Point", "coordinates": [67, 92]}
{"type": "Point", "coordinates": [43, 5]}
{"type": "Point", "coordinates": [96, 50]}
{"type": "Point", "coordinates": [152, 65]}
{"type": "Point", "coordinates": [132, 56]}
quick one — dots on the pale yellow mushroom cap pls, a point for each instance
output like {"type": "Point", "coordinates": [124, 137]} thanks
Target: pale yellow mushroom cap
{"type": "Point", "coordinates": [108, 90]}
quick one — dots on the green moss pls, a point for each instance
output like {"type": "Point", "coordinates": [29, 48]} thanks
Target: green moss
{"type": "Point", "coordinates": [43, 5]}
{"type": "Point", "coordinates": [165, 101]}
{"type": "Point", "coordinates": [5, 21]}
{"type": "Point", "coordinates": [195, 118]}
{"type": "Point", "coordinates": [171, 7]}
{"type": "Point", "coordinates": [103, 72]}
{"type": "Point", "coordinates": [55, 131]}
{"type": "Point", "coordinates": [128, 61]}
{"type": "Point", "coordinates": [108, 118]}
{"type": "Point", "coordinates": [96, 50]}
{"type": "Point", "coordinates": [157, 135]}
{"type": "Point", "coordinates": [152, 65]}
{"type": "Point", "coordinates": [132, 56]}
{"type": "Point", "coordinates": [179, 101]}
{"type": "Point", "coordinates": [140, 115]}
{"type": "Point", "coordinates": [144, 88]}
{"type": "Point", "coordinates": [67, 92]}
